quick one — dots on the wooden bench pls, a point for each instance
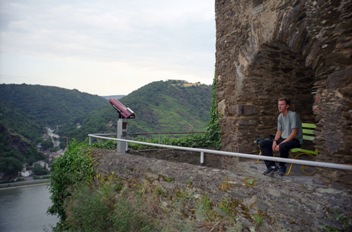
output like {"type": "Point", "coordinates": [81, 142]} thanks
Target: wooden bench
{"type": "Point", "coordinates": [308, 130]}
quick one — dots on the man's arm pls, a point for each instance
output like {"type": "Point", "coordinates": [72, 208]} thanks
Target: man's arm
{"type": "Point", "coordinates": [277, 137]}
{"type": "Point", "coordinates": [291, 136]}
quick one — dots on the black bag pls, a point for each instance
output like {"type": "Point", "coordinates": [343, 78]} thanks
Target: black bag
{"type": "Point", "coordinates": [259, 140]}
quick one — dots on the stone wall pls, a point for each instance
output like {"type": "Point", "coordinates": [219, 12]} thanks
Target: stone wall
{"type": "Point", "coordinates": [294, 48]}
{"type": "Point", "coordinates": [281, 204]}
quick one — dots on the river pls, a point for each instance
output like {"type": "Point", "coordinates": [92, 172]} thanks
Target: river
{"type": "Point", "coordinates": [23, 209]}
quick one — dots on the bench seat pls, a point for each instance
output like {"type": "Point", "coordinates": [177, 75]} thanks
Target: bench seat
{"type": "Point", "coordinates": [308, 130]}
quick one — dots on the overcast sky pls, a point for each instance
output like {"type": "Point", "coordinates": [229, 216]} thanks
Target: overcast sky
{"type": "Point", "coordinates": [106, 47]}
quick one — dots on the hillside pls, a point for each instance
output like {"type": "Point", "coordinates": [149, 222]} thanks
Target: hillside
{"type": "Point", "coordinates": [48, 105]}
{"type": "Point", "coordinates": [16, 147]}
{"type": "Point", "coordinates": [170, 106]}
{"type": "Point", "coordinates": [18, 140]}
{"type": "Point", "coordinates": [163, 106]}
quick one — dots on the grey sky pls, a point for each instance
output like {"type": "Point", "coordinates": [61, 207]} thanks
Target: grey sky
{"type": "Point", "coordinates": [106, 47]}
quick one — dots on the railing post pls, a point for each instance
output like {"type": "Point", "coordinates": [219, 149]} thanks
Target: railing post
{"type": "Point", "coordinates": [202, 158]}
{"type": "Point", "coordinates": [90, 140]}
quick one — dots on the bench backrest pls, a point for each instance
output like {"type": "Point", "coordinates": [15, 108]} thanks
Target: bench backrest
{"type": "Point", "coordinates": [308, 131]}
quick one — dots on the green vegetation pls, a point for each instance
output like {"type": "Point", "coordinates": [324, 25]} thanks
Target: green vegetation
{"type": "Point", "coordinates": [194, 140]}
{"type": "Point", "coordinates": [10, 167]}
{"type": "Point", "coordinates": [72, 169]}
{"type": "Point", "coordinates": [213, 129]}
{"type": "Point", "coordinates": [344, 220]}
{"type": "Point", "coordinates": [29, 109]}
{"type": "Point", "coordinates": [85, 205]}
{"type": "Point", "coordinates": [169, 106]}
{"type": "Point", "coordinates": [163, 106]}
{"type": "Point", "coordinates": [49, 106]}
{"type": "Point", "coordinates": [197, 141]}
{"type": "Point", "coordinates": [18, 136]}
{"type": "Point", "coordinates": [107, 208]}
{"type": "Point", "coordinates": [26, 111]}
{"type": "Point", "coordinates": [18, 122]}
{"type": "Point", "coordinates": [86, 201]}
{"type": "Point", "coordinates": [39, 170]}
{"type": "Point", "coordinates": [209, 139]}
{"type": "Point", "coordinates": [15, 151]}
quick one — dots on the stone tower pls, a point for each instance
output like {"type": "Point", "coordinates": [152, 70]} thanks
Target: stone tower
{"type": "Point", "coordinates": [301, 49]}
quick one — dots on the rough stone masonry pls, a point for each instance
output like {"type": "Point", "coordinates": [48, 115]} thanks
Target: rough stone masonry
{"type": "Point", "coordinates": [301, 49]}
{"type": "Point", "coordinates": [284, 203]}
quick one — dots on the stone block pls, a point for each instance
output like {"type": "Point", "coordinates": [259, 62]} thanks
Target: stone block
{"type": "Point", "coordinates": [245, 110]}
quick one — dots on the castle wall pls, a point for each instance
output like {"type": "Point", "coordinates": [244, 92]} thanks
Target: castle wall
{"type": "Point", "coordinates": [299, 49]}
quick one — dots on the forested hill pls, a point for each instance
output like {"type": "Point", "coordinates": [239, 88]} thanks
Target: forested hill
{"type": "Point", "coordinates": [171, 106]}
{"type": "Point", "coordinates": [48, 105]}
{"type": "Point", "coordinates": [162, 106]}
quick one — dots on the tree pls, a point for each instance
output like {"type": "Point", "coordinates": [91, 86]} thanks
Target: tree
{"type": "Point", "coordinates": [47, 144]}
{"type": "Point", "coordinates": [39, 170]}
{"type": "Point", "coordinates": [10, 167]}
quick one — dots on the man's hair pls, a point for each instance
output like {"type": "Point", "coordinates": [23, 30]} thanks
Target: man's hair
{"type": "Point", "coordinates": [288, 102]}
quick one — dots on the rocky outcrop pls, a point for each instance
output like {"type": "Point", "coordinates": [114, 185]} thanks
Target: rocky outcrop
{"type": "Point", "coordinates": [258, 203]}
{"type": "Point", "coordinates": [294, 48]}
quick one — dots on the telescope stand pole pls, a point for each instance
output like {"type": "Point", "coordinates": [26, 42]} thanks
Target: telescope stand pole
{"type": "Point", "coordinates": [121, 146]}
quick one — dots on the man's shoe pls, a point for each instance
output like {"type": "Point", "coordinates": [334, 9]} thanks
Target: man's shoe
{"type": "Point", "coordinates": [282, 170]}
{"type": "Point", "coordinates": [272, 169]}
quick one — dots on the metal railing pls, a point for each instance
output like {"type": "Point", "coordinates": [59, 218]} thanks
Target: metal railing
{"type": "Point", "coordinates": [226, 153]}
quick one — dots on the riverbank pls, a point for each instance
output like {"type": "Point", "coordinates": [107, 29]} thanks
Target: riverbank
{"type": "Point", "coordinates": [26, 182]}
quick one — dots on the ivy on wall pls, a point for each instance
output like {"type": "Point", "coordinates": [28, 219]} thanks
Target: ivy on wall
{"type": "Point", "coordinates": [213, 128]}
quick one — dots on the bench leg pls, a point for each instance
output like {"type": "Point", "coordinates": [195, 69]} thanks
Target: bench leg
{"type": "Point", "coordinates": [260, 153]}
{"type": "Point", "coordinates": [289, 170]}
{"type": "Point", "coordinates": [311, 169]}
{"type": "Point", "coordinates": [307, 157]}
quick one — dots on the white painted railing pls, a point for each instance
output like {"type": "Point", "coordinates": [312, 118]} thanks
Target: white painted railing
{"type": "Point", "coordinates": [226, 153]}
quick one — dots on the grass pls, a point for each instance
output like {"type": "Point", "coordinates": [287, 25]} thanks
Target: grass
{"type": "Point", "coordinates": [108, 207]}
{"type": "Point", "coordinates": [112, 204]}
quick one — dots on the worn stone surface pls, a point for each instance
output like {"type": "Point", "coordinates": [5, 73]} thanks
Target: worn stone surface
{"type": "Point", "coordinates": [293, 203]}
{"type": "Point", "coordinates": [294, 48]}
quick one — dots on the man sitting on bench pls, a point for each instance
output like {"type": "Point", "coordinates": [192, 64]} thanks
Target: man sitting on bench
{"type": "Point", "coordinates": [288, 136]}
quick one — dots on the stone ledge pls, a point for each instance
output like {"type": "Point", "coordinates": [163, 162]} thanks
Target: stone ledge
{"type": "Point", "coordinates": [295, 206]}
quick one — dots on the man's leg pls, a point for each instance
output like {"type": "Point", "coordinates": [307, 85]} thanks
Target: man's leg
{"type": "Point", "coordinates": [266, 147]}
{"type": "Point", "coordinates": [284, 153]}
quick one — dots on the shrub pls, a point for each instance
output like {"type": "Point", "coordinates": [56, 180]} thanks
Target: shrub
{"type": "Point", "coordinates": [72, 169]}
{"type": "Point", "coordinates": [39, 170]}
{"type": "Point", "coordinates": [10, 167]}
{"type": "Point", "coordinates": [102, 208]}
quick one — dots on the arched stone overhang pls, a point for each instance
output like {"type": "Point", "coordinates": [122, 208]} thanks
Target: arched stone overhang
{"type": "Point", "coordinates": [299, 49]}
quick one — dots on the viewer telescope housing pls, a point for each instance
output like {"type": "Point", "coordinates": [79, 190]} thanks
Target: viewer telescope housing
{"type": "Point", "coordinates": [124, 112]}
